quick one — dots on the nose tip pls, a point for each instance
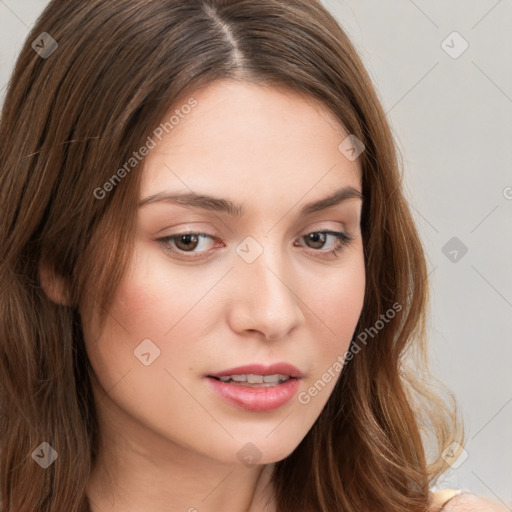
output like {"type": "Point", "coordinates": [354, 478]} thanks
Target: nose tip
{"type": "Point", "coordinates": [264, 302]}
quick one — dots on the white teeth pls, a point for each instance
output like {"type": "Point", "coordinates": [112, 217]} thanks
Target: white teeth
{"type": "Point", "coordinates": [256, 379]}
{"type": "Point", "coordinates": [275, 378]}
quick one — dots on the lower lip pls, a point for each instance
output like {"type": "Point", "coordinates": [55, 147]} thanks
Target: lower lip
{"type": "Point", "coordinates": [256, 399]}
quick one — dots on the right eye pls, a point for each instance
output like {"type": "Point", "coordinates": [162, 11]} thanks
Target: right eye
{"type": "Point", "coordinates": [185, 242]}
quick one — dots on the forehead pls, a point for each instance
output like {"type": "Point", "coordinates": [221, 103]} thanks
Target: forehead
{"type": "Point", "coordinates": [243, 140]}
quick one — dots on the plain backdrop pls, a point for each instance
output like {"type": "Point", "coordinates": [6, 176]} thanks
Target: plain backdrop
{"type": "Point", "coordinates": [443, 71]}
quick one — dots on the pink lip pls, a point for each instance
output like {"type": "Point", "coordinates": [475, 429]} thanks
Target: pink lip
{"type": "Point", "coordinates": [253, 398]}
{"type": "Point", "coordinates": [260, 369]}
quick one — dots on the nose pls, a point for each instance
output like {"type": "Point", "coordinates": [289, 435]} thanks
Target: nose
{"type": "Point", "coordinates": [263, 299]}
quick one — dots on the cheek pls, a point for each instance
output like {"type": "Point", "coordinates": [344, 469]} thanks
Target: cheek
{"type": "Point", "coordinates": [155, 302]}
{"type": "Point", "coordinates": [337, 307]}
{"type": "Point", "coordinates": [338, 302]}
{"type": "Point", "coordinates": [135, 315]}
{"type": "Point", "coordinates": [153, 297]}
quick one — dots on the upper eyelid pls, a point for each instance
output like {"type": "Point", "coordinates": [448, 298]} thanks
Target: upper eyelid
{"type": "Point", "coordinates": [318, 226]}
{"type": "Point", "coordinates": [199, 215]}
{"type": "Point", "coordinates": [308, 231]}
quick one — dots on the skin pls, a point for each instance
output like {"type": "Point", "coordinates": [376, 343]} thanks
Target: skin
{"type": "Point", "coordinates": [468, 502]}
{"type": "Point", "coordinates": [167, 439]}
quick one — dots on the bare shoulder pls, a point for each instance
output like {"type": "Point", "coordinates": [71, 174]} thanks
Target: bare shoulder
{"type": "Point", "coordinates": [468, 502]}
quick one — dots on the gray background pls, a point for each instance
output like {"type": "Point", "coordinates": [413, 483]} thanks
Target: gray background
{"type": "Point", "coordinates": [452, 118]}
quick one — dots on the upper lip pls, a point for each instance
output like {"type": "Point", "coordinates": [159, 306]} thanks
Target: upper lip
{"type": "Point", "coordinates": [261, 369]}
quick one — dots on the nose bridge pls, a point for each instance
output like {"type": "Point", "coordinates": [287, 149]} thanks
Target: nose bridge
{"type": "Point", "coordinates": [265, 298]}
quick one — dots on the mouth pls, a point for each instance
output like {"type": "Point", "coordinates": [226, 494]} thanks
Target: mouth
{"type": "Point", "coordinates": [254, 381]}
{"type": "Point", "coordinates": [258, 375]}
{"type": "Point", "coordinates": [256, 387]}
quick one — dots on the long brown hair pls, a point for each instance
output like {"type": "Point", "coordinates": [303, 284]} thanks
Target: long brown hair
{"type": "Point", "coordinates": [72, 117]}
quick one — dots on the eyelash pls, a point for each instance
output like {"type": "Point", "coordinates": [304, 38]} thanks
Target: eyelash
{"type": "Point", "coordinates": [343, 240]}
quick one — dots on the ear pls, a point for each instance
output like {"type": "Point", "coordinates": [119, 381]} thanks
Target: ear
{"type": "Point", "coordinates": [54, 286]}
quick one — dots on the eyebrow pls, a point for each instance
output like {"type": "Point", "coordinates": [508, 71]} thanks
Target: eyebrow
{"type": "Point", "coordinates": [215, 204]}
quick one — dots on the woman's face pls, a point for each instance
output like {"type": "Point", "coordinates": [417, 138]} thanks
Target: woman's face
{"type": "Point", "coordinates": [259, 287]}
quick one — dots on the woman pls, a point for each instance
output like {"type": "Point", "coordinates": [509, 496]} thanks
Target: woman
{"type": "Point", "coordinates": [177, 177]}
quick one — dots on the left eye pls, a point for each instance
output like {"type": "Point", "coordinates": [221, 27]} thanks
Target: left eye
{"type": "Point", "coordinates": [321, 236]}
{"type": "Point", "coordinates": [188, 242]}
